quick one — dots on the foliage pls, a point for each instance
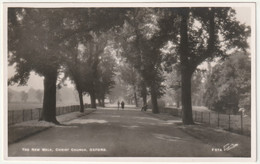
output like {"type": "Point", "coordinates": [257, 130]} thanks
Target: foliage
{"type": "Point", "coordinates": [141, 42]}
{"type": "Point", "coordinates": [202, 34]}
{"type": "Point", "coordinates": [229, 85]}
{"type": "Point", "coordinates": [38, 38]}
{"type": "Point", "coordinates": [198, 87]}
{"type": "Point", "coordinates": [106, 72]}
{"type": "Point", "coordinates": [161, 104]}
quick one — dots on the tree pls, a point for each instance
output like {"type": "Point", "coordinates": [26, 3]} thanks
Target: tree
{"type": "Point", "coordinates": [142, 41]}
{"type": "Point", "coordinates": [36, 38]}
{"type": "Point", "coordinates": [118, 91]}
{"type": "Point", "coordinates": [75, 67]}
{"type": "Point", "coordinates": [39, 95]}
{"type": "Point", "coordinates": [93, 51]}
{"type": "Point", "coordinates": [106, 73]}
{"type": "Point", "coordinates": [130, 76]}
{"type": "Point", "coordinates": [229, 85]}
{"type": "Point", "coordinates": [89, 67]}
{"type": "Point", "coordinates": [202, 34]}
{"type": "Point", "coordinates": [24, 96]}
{"type": "Point", "coordinates": [198, 87]}
{"type": "Point", "coordinates": [173, 84]}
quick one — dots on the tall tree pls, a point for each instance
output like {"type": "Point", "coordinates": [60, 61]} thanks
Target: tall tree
{"type": "Point", "coordinates": [197, 45]}
{"type": "Point", "coordinates": [130, 76]}
{"type": "Point", "coordinates": [142, 45]}
{"type": "Point", "coordinates": [74, 67]}
{"type": "Point", "coordinates": [33, 43]}
{"type": "Point", "coordinates": [106, 73]}
{"type": "Point", "coordinates": [202, 34]}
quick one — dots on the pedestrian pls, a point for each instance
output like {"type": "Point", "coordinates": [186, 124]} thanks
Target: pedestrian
{"type": "Point", "coordinates": [118, 105]}
{"type": "Point", "coordinates": [144, 108]}
{"type": "Point", "coordinates": [122, 104]}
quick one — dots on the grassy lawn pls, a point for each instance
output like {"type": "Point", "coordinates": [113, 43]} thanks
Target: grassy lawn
{"type": "Point", "coordinates": [33, 105]}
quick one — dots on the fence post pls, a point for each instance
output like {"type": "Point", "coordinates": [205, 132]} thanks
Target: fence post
{"type": "Point", "coordinates": [228, 121]}
{"type": "Point", "coordinates": [241, 122]}
{"type": "Point", "coordinates": [218, 119]}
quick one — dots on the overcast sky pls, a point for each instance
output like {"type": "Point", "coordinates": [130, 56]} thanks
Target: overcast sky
{"type": "Point", "coordinates": [36, 82]}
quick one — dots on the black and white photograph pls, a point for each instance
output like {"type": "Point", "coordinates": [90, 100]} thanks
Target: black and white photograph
{"type": "Point", "coordinates": [129, 81]}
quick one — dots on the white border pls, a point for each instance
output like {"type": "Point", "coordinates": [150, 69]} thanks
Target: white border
{"type": "Point", "coordinates": [130, 4]}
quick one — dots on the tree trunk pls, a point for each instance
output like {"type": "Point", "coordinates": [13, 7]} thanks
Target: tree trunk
{"type": "Point", "coordinates": [144, 93]}
{"type": "Point", "coordinates": [186, 71]}
{"type": "Point", "coordinates": [186, 99]}
{"type": "Point", "coordinates": [93, 100]}
{"type": "Point", "coordinates": [144, 99]}
{"type": "Point", "coordinates": [178, 103]}
{"type": "Point", "coordinates": [81, 101]}
{"type": "Point", "coordinates": [154, 100]}
{"type": "Point", "coordinates": [99, 102]}
{"type": "Point", "coordinates": [49, 98]}
{"type": "Point", "coordinates": [135, 98]}
{"type": "Point", "coordinates": [103, 102]}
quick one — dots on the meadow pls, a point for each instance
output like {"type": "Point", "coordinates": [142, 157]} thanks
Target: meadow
{"type": "Point", "coordinates": [33, 105]}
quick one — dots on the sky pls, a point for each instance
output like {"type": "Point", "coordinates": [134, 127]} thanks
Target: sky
{"type": "Point", "coordinates": [36, 82]}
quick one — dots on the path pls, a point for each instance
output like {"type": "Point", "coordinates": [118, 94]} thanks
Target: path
{"type": "Point", "coordinates": [111, 133]}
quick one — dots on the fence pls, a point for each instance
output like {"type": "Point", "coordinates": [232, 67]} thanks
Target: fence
{"type": "Point", "coordinates": [236, 123]}
{"type": "Point", "coordinates": [17, 116]}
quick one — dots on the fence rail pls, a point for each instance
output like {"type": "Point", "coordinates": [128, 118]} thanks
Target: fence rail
{"type": "Point", "coordinates": [17, 116]}
{"type": "Point", "coordinates": [236, 123]}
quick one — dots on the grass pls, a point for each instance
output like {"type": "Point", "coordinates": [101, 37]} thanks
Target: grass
{"type": "Point", "coordinates": [235, 121]}
{"type": "Point", "coordinates": [204, 115]}
{"type": "Point", "coordinates": [33, 105]}
{"type": "Point", "coordinates": [220, 138]}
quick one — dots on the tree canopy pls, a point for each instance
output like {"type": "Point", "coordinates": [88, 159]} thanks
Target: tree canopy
{"type": "Point", "coordinates": [228, 86]}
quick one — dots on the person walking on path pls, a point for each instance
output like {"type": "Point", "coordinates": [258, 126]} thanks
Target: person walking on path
{"type": "Point", "coordinates": [118, 105]}
{"type": "Point", "coordinates": [122, 105]}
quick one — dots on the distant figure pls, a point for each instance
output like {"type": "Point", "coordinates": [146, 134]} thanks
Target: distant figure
{"type": "Point", "coordinates": [144, 108]}
{"type": "Point", "coordinates": [118, 105]}
{"type": "Point", "coordinates": [122, 104]}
